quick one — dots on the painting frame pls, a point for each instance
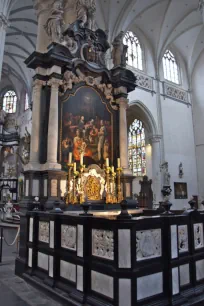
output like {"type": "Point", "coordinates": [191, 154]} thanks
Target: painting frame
{"type": "Point", "coordinates": [180, 190]}
{"type": "Point", "coordinates": [114, 121]}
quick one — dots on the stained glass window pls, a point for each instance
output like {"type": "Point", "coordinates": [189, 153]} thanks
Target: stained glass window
{"type": "Point", "coordinates": [137, 149]}
{"type": "Point", "coordinates": [9, 102]}
{"type": "Point", "coordinates": [26, 102]}
{"type": "Point", "coordinates": [134, 56]}
{"type": "Point", "coordinates": [170, 67]}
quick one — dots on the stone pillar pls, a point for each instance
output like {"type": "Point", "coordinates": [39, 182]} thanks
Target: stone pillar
{"type": "Point", "coordinates": [35, 134]}
{"type": "Point", "coordinates": [42, 10]}
{"type": "Point", "coordinates": [52, 145]}
{"type": "Point", "coordinates": [156, 173]}
{"type": "Point", "coordinates": [3, 27]}
{"type": "Point", "coordinates": [123, 104]}
{"type": "Point", "coordinates": [160, 119]}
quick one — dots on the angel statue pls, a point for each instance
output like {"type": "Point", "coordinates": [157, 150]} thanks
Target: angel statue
{"type": "Point", "coordinates": [119, 51]}
{"type": "Point", "coordinates": [86, 11]}
{"type": "Point", "coordinates": [55, 22]}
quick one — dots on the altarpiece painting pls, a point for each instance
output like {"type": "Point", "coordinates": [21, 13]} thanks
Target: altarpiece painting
{"type": "Point", "coordinates": [86, 127]}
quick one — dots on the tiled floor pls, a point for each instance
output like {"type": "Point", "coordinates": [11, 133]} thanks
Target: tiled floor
{"type": "Point", "coordinates": [13, 290]}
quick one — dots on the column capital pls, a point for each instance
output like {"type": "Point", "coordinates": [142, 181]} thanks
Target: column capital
{"type": "Point", "coordinates": [155, 138]}
{"type": "Point", "coordinates": [4, 23]}
{"type": "Point", "coordinates": [37, 84]}
{"type": "Point", "coordinates": [54, 83]}
{"type": "Point", "coordinates": [122, 102]}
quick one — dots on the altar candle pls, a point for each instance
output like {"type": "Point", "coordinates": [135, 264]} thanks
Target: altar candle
{"type": "Point", "coordinates": [70, 157]}
{"type": "Point", "coordinates": [118, 162]}
{"type": "Point", "coordinates": [74, 167]}
{"type": "Point", "coordinates": [107, 162]}
{"type": "Point", "coordinates": [81, 159]}
{"type": "Point", "coordinates": [113, 170]}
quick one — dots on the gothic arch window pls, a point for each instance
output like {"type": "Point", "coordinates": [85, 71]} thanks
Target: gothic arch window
{"type": "Point", "coordinates": [26, 102]}
{"type": "Point", "coordinates": [137, 149]}
{"type": "Point", "coordinates": [170, 67]}
{"type": "Point", "coordinates": [9, 102]}
{"type": "Point", "coordinates": [134, 56]}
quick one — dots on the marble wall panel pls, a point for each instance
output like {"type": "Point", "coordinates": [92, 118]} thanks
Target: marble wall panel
{"type": "Point", "coordinates": [149, 285]}
{"type": "Point", "coordinates": [174, 242]}
{"type": "Point", "coordinates": [183, 238]}
{"type": "Point", "coordinates": [31, 230]}
{"type": "Point", "coordinates": [124, 292]}
{"type": "Point", "coordinates": [43, 261]}
{"type": "Point", "coordinates": [35, 189]}
{"type": "Point", "coordinates": [80, 240]}
{"type": "Point", "coordinates": [51, 266]}
{"type": "Point", "coordinates": [52, 234]}
{"type": "Point", "coordinates": [30, 258]}
{"type": "Point", "coordinates": [124, 249]}
{"type": "Point", "coordinates": [198, 236]}
{"type": "Point", "coordinates": [200, 269]}
{"type": "Point", "coordinates": [68, 237]}
{"type": "Point", "coordinates": [184, 275]}
{"type": "Point", "coordinates": [44, 232]}
{"type": "Point", "coordinates": [68, 271]}
{"type": "Point", "coordinates": [102, 284]}
{"type": "Point", "coordinates": [80, 281]}
{"type": "Point", "coordinates": [175, 281]}
{"type": "Point", "coordinates": [148, 244]}
{"type": "Point", "coordinates": [103, 244]}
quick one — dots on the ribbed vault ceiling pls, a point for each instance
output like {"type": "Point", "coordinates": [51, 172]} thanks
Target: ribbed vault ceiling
{"type": "Point", "coordinates": [164, 23]}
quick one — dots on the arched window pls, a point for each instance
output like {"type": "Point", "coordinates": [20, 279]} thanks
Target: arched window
{"type": "Point", "coordinates": [9, 102]}
{"type": "Point", "coordinates": [137, 149]}
{"type": "Point", "coordinates": [170, 67]}
{"type": "Point", "coordinates": [134, 58]}
{"type": "Point", "coordinates": [26, 102]}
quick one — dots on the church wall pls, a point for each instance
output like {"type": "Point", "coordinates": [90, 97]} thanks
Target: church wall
{"type": "Point", "coordinates": [179, 147]}
{"type": "Point", "coordinates": [198, 116]}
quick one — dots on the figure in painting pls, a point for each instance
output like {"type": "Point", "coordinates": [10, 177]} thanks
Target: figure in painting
{"type": "Point", "coordinates": [86, 10]}
{"type": "Point", "coordinates": [55, 22]}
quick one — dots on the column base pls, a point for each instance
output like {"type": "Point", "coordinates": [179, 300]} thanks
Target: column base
{"type": "Point", "coordinates": [51, 166]}
{"type": "Point", "coordinates": [33, 166]}
{"type": "Point", "coordinates": [127, 172]}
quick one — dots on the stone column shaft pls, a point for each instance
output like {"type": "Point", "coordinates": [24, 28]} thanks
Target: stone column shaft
{"type": "Point", "coordinates": [123, 103]}
{"type": "Point", "coordinates": [156, 173]}
{"type": "Point", "coordinates": [3, 27]}
{"type": "Point", "coordinates": [52, 145]}
{"type": "Point", "coordinates": [35, 135]}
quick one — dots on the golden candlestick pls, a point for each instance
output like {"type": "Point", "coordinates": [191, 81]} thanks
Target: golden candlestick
{"type": "Point", "coordinates": [81, 197]}
{"type": "Point", "coordinates": [113, 191]}
{"type": "Point", "coordinates": [74, 195]}
{"type": "Point", "coordinates": [69, 177]}
{"type": "Point", "coordinates": [119, 193]}
{"type": "Point", "coordinates": [108, 189]}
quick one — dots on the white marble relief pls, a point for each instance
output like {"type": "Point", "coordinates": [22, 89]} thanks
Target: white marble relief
{"type": "Point", "coordinates": [198, 236]}
{"type": "Point", "coordinates": [68, 237]}
{"type": "Point", "coordinates": [68, 271]}
{"type": "Point", "coordinates": [183, 238]}
{"type": "Point", "coordinates": [103, 244]}
{"type": "Point", "coordinates": [102, 284]}
{"type": "Point", "coordinates": [148, 244]}
{"type": "Point", "coordinates": [149, 285]}
{"type": "Point", "coordinates": [176, 93]}
{"type": "Point", "coordinates": [144, 81]}
{"type": "Point", "coordinates": [44, 234]}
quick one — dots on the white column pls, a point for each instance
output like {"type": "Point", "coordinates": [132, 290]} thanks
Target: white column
{"type": "Point", "coordinates": [156, 173]}
{"type": "Point", "coordinates": [123, 104]}
{"type": "Point", "coordinates": [42, 10]}
{"type": "Point", "coordinates": [160, 119]}
{"type": "Point", "coordinates": [3, 27]}
{"type": "Point", "coordinates": [52, 145]}
{"type": "Point", "coordinates": [34, 163]}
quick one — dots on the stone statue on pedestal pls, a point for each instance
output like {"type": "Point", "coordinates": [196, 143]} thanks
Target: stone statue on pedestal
{"type": "Point", "coordinates": [119, 51]}
{"type": "Point", "coordinates": [166, 174]}
{"type": "Point", "coordinates": [86, 10]}
{"type": "Point", "coordinates": [55, 22]}
{"type": "Point", "coordinates": [3, 115]}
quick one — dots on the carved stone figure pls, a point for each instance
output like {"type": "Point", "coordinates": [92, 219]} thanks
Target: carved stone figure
{"type": "Point", "coordinates": [166, 174]}
{"type": "Point", "coordinates": [119, 51]}
{"type": "Point", "coordinates": [181, 170]}
{"type": "Point", "coordinates": [3, 115]}
{"type": "Point", "coordinates": [55, 22]}
{"type": "Point", "coordinates": [86, 10]}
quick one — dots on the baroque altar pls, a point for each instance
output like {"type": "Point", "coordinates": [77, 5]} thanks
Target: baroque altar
{"type": "Point", "coordinates": [79, 106]}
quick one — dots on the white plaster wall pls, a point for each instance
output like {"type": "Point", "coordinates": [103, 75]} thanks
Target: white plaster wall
{"type": "Point", "coordinates": [179, 147]}
{"type": "Point", "coordinates": [198, 117]}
